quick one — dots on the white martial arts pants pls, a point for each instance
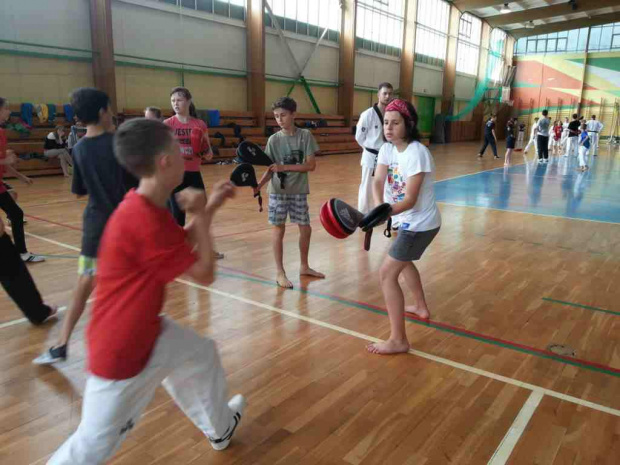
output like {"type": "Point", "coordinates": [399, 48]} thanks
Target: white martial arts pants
{"type": "Point", "coordinates": [520, 138]}
{"type": "Point", "coordinates": [365, 201]}
{"type": "Point", "coordinates": [185, 363]}
{"type": "Point", "coordinates": [583, 156]}
{"type": "Point", "coordinates": [572, 144]}
{"type": "Point", "coordinates": [594, 142]}
{"type": "Point", "coordinates": [532, 142]}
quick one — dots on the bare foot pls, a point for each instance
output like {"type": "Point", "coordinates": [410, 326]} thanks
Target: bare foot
{"type": "Point", "coordinates": [310, 272]}
{"type": "Point", "coordinates": [419, 312]}
{"type": "Point", "coordinates": [283, 281]}
{"type": "Point", "coordinates": [388, 347]}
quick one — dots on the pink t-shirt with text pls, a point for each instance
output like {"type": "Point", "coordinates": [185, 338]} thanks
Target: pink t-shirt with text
{"type": "Point", "coordinates": [183, 133]}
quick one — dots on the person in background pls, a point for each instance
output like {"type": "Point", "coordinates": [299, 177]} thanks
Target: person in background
{"type": "Point", "coordinates": [152, 113]}
{"type": "Point", "coordinates": [594, 131]}
{"type": "Point", "coordinates": [490, 138]}
{"type": "Point", "coordinates": [510, 139]}
{"type": "Point", "coordinates": [533, 141]}
{"type": "Point", "coordinates": [56, 147]}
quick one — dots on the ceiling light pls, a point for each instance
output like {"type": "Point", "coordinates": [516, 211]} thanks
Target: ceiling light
{"type": "Point", "coordinates": [505, 9]}
{"type": "Point", "coordinates": [529, 25]}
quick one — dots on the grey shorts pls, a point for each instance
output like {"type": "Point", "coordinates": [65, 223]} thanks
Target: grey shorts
{"type": "Point", "coordinates": [410, 245]}
{"type": "Point", "coordinates": [293, 205]}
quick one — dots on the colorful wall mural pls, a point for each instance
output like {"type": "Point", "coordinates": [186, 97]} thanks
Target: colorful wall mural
{"type": "Point", "coordinates": [554, 81]}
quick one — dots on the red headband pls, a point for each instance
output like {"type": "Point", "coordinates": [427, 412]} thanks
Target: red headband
{"type": "Point", "coordinates": [400, 106]}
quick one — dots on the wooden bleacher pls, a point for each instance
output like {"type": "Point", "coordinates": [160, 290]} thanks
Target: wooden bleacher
{"type": "Point", "coordinates": [33, 143]}
{"type": "Point", "coordinates": [333, 139]}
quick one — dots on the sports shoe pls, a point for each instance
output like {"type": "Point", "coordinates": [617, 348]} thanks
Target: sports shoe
{"type": "Point", "coordinates": [237, 405]}
{"type": "Point", "coordinates": [31, 258]}
{"type": "Point", "coordinates": [52, 355]}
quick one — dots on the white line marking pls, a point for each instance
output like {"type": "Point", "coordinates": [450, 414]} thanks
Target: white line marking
{"type": "Point", "coordinates": [505, 448]}
{"type": "Point", "coordinates": [477, 172]}
{"type": "Point", "coordinates": [526, 213]}
{"type": "Point", "coordinates": [434, 358]}
{"type": "Point", "coordinates": [444, 361]}
{"type": "Point", "coordinates": [51, 241]}
{"type": "Point", "coordinates": [24, 320]}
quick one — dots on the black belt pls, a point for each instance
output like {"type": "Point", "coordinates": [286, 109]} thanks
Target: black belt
{"type": "Point", "coordinates": [594, 131]}
{"type": "Point", "coordinates": [373, 151]}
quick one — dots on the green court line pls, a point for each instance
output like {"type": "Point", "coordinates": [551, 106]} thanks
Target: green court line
{"type": "Point", "coordinates": [587, 307]}
{"type": "Point", "coordinates": [456, 332]}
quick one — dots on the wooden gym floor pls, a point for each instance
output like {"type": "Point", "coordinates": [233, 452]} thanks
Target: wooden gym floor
{"type": "Point", "coordinates": [479, 385]}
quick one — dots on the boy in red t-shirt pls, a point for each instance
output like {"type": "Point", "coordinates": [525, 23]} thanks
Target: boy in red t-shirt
{"type": "Point", "coordinates": [131, 348]}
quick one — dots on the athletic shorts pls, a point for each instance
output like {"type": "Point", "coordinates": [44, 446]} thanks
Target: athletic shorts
{"type": "Point", "coordinates": [410, 245]}
{"type": "Point", "coordinates": [293, 205]}
{"type": "Point", "coordinates": [87, 266]}
{"type": "Point", "coordinates": [510, 143]}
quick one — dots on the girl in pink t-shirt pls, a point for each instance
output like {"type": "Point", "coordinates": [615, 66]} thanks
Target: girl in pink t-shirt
{"type": "Point", "coordinates": [193, 137]}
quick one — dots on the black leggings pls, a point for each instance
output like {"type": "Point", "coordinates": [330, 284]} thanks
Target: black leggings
{"type": "Point", "coordinates": [489, 140]}
{"type": "Point", "coordinates": [18, 283]}
{"type": "Point", "coordinates": [190, 179]}
{"type": "Point", "coordinates": [16, 216]}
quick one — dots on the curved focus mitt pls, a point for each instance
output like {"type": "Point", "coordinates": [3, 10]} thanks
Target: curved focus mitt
{"type": "Point", "coordinates": [376, 216]}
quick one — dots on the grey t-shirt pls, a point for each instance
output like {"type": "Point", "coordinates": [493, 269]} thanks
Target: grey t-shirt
{"type": "Point", "coordinates": [291, 150]}
{"type": "Point", "coordinates": [96, 173]}
{"type": "Point", "coordinates": [543, 126]}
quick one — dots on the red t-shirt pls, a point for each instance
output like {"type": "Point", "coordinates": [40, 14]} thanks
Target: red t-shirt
{"type": "Point", "coordinates": [141, 251]}
{"type": "Point", "coordinates": [557, 131]}
{"type": "Point", "coordinates": [3, 145]}
{"type": "Point", "coordinates": [183, 132]}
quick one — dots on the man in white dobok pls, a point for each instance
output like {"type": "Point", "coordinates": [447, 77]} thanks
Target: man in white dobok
{"type": "Point", "coordinates": [369, 135]}
{"type": "Point", "coordinates": [594, 128]}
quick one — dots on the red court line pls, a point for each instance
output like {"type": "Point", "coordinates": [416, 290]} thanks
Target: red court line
{"type": "Point", "coordinates": [75, 228]}
{"type": "Point", "coordinates": [451, 328]}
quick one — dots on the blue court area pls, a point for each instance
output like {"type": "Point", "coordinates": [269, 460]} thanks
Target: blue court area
{"type": "Point", "coordinates": [555, 189]}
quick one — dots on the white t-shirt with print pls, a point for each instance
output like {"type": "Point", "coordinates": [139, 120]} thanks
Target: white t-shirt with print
{"type": "Point", "coordinates": [424, 216]}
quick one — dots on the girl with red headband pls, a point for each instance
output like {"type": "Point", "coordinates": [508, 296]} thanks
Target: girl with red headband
{"type": "Point", "coordinates": [409, 169]}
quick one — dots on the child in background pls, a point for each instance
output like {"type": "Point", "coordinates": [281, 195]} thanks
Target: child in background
{"type": "Point", "coordinates": [584, 148]}
{"type": "Point", "coordinates": [292, 150]}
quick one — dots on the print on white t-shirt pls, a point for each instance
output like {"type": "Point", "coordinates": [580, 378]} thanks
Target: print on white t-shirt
{"type": "Point", "coordinates": [416, 159]}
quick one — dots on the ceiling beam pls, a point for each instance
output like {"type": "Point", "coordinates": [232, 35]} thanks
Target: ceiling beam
{"type": "Point", "coordinates": [566, 25]}
{"type": "Point", "coordinates": [553, 11]}
{"type": "Point", "coordinates": [468, 5]}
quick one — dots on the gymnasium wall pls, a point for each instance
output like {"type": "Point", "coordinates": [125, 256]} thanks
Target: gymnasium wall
{"type": "Point", "coordinates": [157, 49]}
{"type": "Point", "coordinates": [45, 73]}
{"type": "Point", "coordinates": [321, 72]}
{"type": "Point", "coordinates": [554, 81]}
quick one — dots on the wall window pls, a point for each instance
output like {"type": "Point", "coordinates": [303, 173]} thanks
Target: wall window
{"type": "Point", "coordinates": [557, 42]}
{"type": "Point", "coordinates": [431, 40]}
{"type": "Point", "coordinates": [497, 54]}
{"type": "Point", "coordinates": [604, 38]}
{"type": "Point", "coordinates": [468, 53]}
{"type": "Point", "coordinates": [229, 8]}
{"type": "Point", "coordinates": [379, 26]}
{"type": "Point", "coordinates": [307, 17]}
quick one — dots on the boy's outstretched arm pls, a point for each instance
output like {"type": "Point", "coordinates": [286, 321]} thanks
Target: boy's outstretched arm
{"type": "Point", "coordinates": [199, 228]}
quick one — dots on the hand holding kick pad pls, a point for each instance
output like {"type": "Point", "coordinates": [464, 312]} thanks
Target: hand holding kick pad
{"type": "Point", "coordinates": [376, 216]}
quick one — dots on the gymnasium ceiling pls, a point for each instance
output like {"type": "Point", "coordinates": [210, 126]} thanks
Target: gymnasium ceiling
{"type": "Point", "coordinates": [546, 15]}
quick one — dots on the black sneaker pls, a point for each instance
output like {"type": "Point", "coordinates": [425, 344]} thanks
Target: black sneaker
{"type": "Point", "coordinates": [52, 355]}
{"type": "Point", "coordinates": [237, 405]}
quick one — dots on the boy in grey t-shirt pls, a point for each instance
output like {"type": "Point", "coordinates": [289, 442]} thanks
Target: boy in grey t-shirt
{"type": "Point", "coordinates": [292, 151]}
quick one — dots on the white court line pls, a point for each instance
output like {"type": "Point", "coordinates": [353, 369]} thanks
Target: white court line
{"type": "Point", "coordinates": [24, 320]}
{"type": "Point", "coordinates": [434, 358]}
{"type": "Point", "coordinates": [526, 213]}
{"type": "Point", "coordinates": [477, 172]}
{"type": "Point", "coordinates": [505, 448]}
